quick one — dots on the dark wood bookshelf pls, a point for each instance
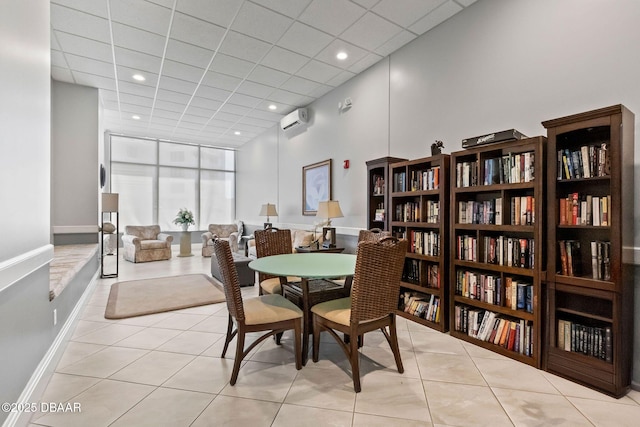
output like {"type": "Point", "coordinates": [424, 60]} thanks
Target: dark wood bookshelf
{"type": "Point", "coordinates": [412, 214]}
{"type": "Point", "coordinates": [596, 304]}
{"type": "Point", "coordinates": [502, 177]}
{"type": "Point", "coordinates": [378, 191]}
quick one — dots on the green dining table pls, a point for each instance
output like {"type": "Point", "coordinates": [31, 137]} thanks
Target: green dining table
{"type": "Point", "coordinates": [307, 266]}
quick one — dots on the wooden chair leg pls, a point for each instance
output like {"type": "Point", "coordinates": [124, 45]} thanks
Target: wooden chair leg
{"type": "Point", "coordinates": [316, 338]}
{"type": "Point", "coordinates": [297, 331]}
{"type": "Point", "coordinates": [238, 359]}
{"type": "Point", "coordinates": [278, 337]}
{"type": "Point", "coordinates": [354, 359]}
{"type": "Point", "coordinates": [394, 344]}
{"type": "Point", "coordinates": [229, 336]}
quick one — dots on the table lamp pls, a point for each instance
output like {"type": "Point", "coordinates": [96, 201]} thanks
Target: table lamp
{"type": "Point", "coordinates": [328, 210]}
{"type": "Point", "coordinates": [268, 210]}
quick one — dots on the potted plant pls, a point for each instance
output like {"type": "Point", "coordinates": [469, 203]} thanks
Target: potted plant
{"type": "Point", "coordinates": [184, 218]}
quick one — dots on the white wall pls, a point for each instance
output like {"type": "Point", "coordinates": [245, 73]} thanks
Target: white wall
{"type": "Point", "coordinates": [75, 141]}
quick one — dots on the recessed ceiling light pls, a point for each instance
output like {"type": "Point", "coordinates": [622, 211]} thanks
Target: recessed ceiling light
{"type": "Point", "coordinates": [135, 117]}
{"type": "Point", "coordinates": [139, 77]}
{"type": "Point", "coordinates": [272, 107]}
{"type": "Point", "coordinates": [342, 55]}
{"type": "Point", "coordinates": [237, 133]}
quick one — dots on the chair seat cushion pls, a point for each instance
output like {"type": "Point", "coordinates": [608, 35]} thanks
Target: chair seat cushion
{"type": "Point", "coordinates": [153, 244]}
{"type": "Point", "coordinates": [272, 286]}
{"type": "Point", "coordinates": [336, 310]}
{"type": "Point", "coordinates": [269, 309]}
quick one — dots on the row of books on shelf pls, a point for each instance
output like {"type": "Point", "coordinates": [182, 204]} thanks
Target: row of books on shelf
{"type": "Point", "coordinates": [424, 242]}
{"type": "Point", "coordinates": [584, 209]}
{"type": "Point", "coordinates": [509, 169]}
{"type": "Point", "coordinates": [420, 305]}
{"type": "Point", "coordinates": [490, 211]}
{"type": "Point", "coordinates": [485, 325]}
{"type": "Point", "coordinates": [428, 179]}
{"type": "Point", "coordinates": [428, 277]}
{"type": "Point", "coordinates": [586, 162]}
{"type": "Point", "coordinates": [412, 212]}
{"type": "Point", "coordinates": [500, 250]}
{"type": "Point", "coordinates": [589, 340]}
{"type": "Point", "coordinates": [518, 294]}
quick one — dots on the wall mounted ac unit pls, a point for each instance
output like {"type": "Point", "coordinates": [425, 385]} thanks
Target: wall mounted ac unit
{"type": "Point", "coordinates": [294, 119]}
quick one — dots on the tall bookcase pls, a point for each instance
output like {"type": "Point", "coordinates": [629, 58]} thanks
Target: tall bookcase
{"type": "Point", "coordinates": [419, 213]}
{"type": "Point", "coordinates": [496, 247]}
{"type": "Point", "coordinates": [590, 219]}
{"type": "Point", "coordinates": [378, 192]}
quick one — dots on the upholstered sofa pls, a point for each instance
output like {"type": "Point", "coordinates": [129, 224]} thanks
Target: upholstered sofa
{"type": "Point", "coordinates": [298, 238]}
{"type": "Point", "coordinates": [143, 243]}
{"type": "Point", "coordinates": [229, 232]}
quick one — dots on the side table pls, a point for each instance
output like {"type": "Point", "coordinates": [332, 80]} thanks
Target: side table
{"type": "Point", "coordinates": [185, 244]}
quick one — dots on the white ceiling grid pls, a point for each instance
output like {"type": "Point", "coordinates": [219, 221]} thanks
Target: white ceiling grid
{"type": "Point", "coordinates": [213, 67]}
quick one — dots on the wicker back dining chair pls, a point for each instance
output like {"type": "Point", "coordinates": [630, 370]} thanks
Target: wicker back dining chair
{"type": "Point", "coordinates": [371, 306]}
{"type": "Point", "coordinates": [272, 314]}
{"type": "Point", "coordinates": [273, 241]}
{"type": "Point", "coordinates": [372, 235]}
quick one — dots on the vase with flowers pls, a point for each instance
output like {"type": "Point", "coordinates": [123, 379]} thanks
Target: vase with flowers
{"type": "Point", "coordinates": [184, 218]}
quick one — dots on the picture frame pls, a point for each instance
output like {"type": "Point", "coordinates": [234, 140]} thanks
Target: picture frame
{"type": "Point", "coordinates": [316, 186]}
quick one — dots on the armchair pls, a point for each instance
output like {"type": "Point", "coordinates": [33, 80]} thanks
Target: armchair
{"type": "Point", "coordinates": [143, 243]}
{"type": "Point", "coordinates": [228, 232]}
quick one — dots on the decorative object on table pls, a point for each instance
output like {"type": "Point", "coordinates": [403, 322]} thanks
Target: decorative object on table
{"type": "Point", "coordinates": [143, 243]}
{"type": "Point", "coordinates": [109, 232]}
{"type": "Point", "coordinates": [268, 210]}
{"type": "Point", "coordinates": [271, 314]}
{"type": "Point", "coordinates": [371, 306]}
{"type": "Point", "coordinates": [229, 232]}
{"type": "Point", "coordinates": [502, 136]}
{"type": "Point", "coordinates": [184, 218]}
{"type": "Point", "coordinates": [329, 209]}
{"type": "Point", "coordinates": [436, 148]}
{"type": "Point", "coordinates": [316, 186]}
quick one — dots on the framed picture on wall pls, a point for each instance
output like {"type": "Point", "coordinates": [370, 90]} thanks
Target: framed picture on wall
{"type": "Point", "coordinates": [316, 186]}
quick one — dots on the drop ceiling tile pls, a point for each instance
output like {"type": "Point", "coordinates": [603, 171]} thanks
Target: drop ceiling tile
{"type": "Point", "coordinates": [268, 76]}
{"type": "Point", "coordinates": [291, 8]}
{"type": "Point", "coordinates": [214, 93]}
{"type": "Point", "coordinates": [171, 96]}
{"type": "Point", "coordinates": [184, 134]}
{"type": "Point", "coordinates": [256, 130]}
{"type": "Point", "coordinates": [166, 114]}
{"type": "Point", "coordinates": [136, 100]}
{"type": "Point", "coordinates": [261, 23]}
{"type": "Point", "coordinates": [163, 121]}
{"type": "Point", "coordinates": [136, 89]}
{"type": "Point", "coordinates": [169, 106]}
{"type": "Point", "coordinates": [321, 90]}
{"type": "Point", "coordinates": [220, 123]}
{"type": "Point", "coordinates": [219, 12]}
{"type": "Point", "coordinates": [57, 59]}
{"type": "Point", "coordinates": [188, 54]}
{"type": "Point", "coordinates": [341, 78]}
{"type": "Point", "coordinates": [76, 22]}
{"type": "Point", "coordinates": [141, 14]}
{"type": "Point", "coordinates": [135, 109]}
{"type": "Point", "coordinates": [284, 60]}
{"type": "Point", "coordinates": [304, 40]}
{"type": "Point", "coordinates": [93, 80]}
{"type": "Point", "coordinates": [370, 32]}
{"type": "Point", "coordinates": [331, 16]}
{"type": "Point", "coordinates": [328, 54]}
{"type": "Point", "coordinates": [366, 3]}
{"type": "Point", "coordinates": [263, 117]}
{"type": "Point", "coordinates": [137, 60]}
{"type": "Point", "coordinates": [244, 100]}
{"type": "Point", "coordinates": [195, 31]}
{"type": "Point", "coordinates": [182, 71]}
{"type": "Point", "coordinates": [61, 74]}
{"type": "Point", "coordinates": [188, 118]}
{"type": "Point", "coordinates": [365, 63]}
{"type": "Point", "coordinates": [209, 104]}
{"type": "Point", "coordinates": [161, 127]}
{"type": "Point", "coordinates": [97, 8]}
{"type": "Point", "coordinates": [405, 12]}
{"type": "Point", "coordinates": [108, 95]}
{"type": "Point", "coordinates": [441, 14]}
{"type": "Point", "coordinates": [177, 85]}
{"type": "Point", "coordinates": [232, 66]}
{"type": "Point", "coordinates": [214, 130]}
{"type": "Point", "coordinates": [299, 85]}
{"type": "Point", "coordinates": [228, 117]}
{"type": "Point", "coordinates": [205, 113]}
{"type": "Point", "coordinates": [244, 47]}
{"type": "Point", "coordinates": [134, 39]}
{"type": "Point", "coordinates": [54, 41]}
{"type": "Point", "coordinates": [81, 46]}
{"type": "Point", "coordinates": [254, 89]}
{"type": "Point", "coordinates": [466, 3]}
{"type": "Point", "coordinates": [221, 81]}
{"type": "Point", "coordinates": [125, 74]}
{"type": "Point", "coordinates": [189, 125]}
{"type": "Point", "coordinates": [90, 66]}
{"type": "Point", "coordinates": [318, 71]}
{"type": "Point", "coordinates": [111, 105]}
{"type": "Point", "coordinates": [235, 109]}
{"type": "Point", "coordinates": [395, 43]}
{"type": "Point", "coordinates": [290, 98]}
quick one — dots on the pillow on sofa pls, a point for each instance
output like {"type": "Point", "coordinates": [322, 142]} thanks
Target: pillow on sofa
{"type": "Point", "coordinates": [302, 238]}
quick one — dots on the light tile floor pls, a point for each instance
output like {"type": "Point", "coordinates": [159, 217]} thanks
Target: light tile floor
{"type": "Point", "coordinates": [165, 369]}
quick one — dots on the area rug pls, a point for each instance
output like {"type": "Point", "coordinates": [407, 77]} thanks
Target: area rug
{"type": "Point", "coordinates": [140, 297]}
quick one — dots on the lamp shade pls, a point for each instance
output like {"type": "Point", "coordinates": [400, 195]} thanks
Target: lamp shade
{"type": "Point", "coordinates": [268, 210]}
{"type": "Point", "coordinates": [109, 202]}
{"type": "Point", "coordinates": [329, 209]}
